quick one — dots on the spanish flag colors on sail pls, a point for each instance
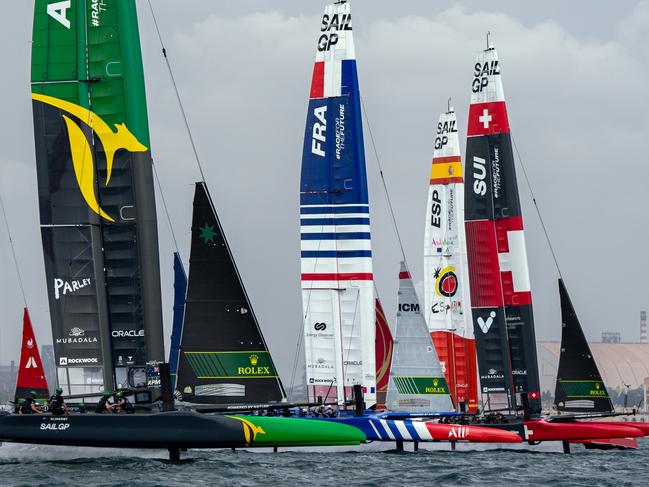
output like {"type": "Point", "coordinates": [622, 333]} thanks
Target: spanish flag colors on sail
{"type": "Point", "coordinates": [446, 281]}
{"type": "Point", "coordinates": [336, 251]}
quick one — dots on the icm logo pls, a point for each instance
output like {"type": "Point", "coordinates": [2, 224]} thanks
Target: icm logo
{"type": "Point", "coordinates": [59, 12]}
{"type": "Point", "coordinates": [319, 131]}
{"type": "Point", "coordinates": [407, 307]}
{"type": "Point", "coordinates": [479, 174]}
{"type": "Point", "coordinates": [127, 333]}
{"type": "Point", "coordinates": [320, 326]}
{"type": "Point", "coordinates": [436, 210]}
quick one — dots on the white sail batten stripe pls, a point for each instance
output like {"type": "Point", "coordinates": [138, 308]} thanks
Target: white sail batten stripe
{"type": "Point", "coordinates": [324, 245]}
{"type": "Point", "coordinates": [318, 216]}
{"type": "Point", "coordinates": [339, 229]}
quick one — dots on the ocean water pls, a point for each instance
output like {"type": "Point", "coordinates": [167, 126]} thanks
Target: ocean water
{"type": "Point", "coordinates": [368, 465]}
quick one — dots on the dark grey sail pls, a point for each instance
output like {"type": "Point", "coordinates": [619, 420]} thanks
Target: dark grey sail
{"type": "Point", "coordinates": [223, 356]}
{"type": "Point", "coordinates": [96, 195]}
{"type": "Point", "coordinates": [579, 384]}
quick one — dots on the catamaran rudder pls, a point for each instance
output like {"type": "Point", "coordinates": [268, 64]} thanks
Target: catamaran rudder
{"type": "Point", "coordinates": [446, 279]}
{"type": "Point", "coordinates": [501, 297]}
{"type": "Point", "coordinates": [336, 252]}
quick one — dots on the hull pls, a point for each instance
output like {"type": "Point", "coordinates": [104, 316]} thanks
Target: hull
{"type": "Point", "coordinates": [644, 427]}
{"type": "Point", "coordinates": [173, 430]}
{"type": "Point", "coordinates": [610, 444]}
{"type": "Point", "coordinates": [541, 430]}
{"type": "Point", "coordinates": [378, 429]}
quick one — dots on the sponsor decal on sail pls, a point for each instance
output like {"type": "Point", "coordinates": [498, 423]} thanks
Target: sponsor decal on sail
{"type": "Point", "coordinates": [445, 281]}
{"type": "Point", "coordinates": [127, 333]}
{"type": "Point", "coordinates": [80, 148]}
{"type": "Point", "coordinates": [486, 324]}
{"type": "Point", "coordinates": [583, 388]}
{"type": "Point", "coordinates": [59, 12]}
{"type": "Point", "coordinates": [62, 287]}
{"type": "Point", "coordinates": [65, 361]}
{"type": "Point", "coordinates": [421, 385]}
{"type": "Point", "coordinates": [231, 365]}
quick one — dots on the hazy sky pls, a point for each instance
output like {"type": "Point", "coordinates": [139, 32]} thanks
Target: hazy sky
{"type": "Point", "coordinates": [575, 80]}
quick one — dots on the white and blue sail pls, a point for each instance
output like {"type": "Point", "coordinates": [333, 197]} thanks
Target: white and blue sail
{"type": "Point", "coordinates": [336, 250]}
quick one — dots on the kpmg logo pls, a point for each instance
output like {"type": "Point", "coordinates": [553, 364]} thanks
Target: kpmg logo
{"type": "Point", "coordinates": [62, 287]}
{"type": "Point", "coordinates": [82, 152]}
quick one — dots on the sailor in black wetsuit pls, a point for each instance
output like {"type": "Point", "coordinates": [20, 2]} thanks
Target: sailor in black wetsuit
{"type": "Point", "coordinates": [57, 404]}
{"type": "Point", "coordinates": [30, 406]}
{"type": "Point", "coordinates": [104, 405]}
{"type": "Point", "coordinates": [124, 404]}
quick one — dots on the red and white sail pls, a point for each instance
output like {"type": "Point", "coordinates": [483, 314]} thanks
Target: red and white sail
{"type": "Point", "coordinates": [446, 280]}
{"type": "Point", "coordinates": [31, 375]}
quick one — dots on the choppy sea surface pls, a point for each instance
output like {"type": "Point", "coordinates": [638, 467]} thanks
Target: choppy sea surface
{"type": "Point", "coordinates": [368, 465]}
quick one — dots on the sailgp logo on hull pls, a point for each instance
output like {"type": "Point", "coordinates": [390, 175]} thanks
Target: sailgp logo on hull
{"type": "Point", "coordinates": [81, 151]}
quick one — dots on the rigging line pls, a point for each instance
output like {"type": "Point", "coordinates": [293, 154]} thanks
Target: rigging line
{"type": "Point", "coordinates": [13, 252]}
{"type": "Point", "coordinates": [538, 210]}
{"type": "Point", "coordinates": [385, 187]}
{"type": "Point", "coordinates": [173, 82]}
{"type": "Point", "coordinates": [164, 206]}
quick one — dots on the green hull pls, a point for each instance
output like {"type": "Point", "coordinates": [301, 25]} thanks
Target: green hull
{"type": "Point", "coordinates": [279, 431]}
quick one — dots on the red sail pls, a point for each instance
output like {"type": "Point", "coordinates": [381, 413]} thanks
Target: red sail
{"type": "Point", "coordinates": [31, 376]}
{"type": "Point", "coordinates": [384, 346]}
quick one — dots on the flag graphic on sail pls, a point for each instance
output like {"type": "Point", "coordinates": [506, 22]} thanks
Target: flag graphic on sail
{"type": "Point", "coordinates": [384, 349]}
{"type": "Point", "coordinates": [446, 280]}
{"type": "Point", "coordinates": [336, 252]}
{"type": "Point", "coordinates": [579, 384]}
{"type": "Point", "coordinates": [417, 382]}
{"type": "Point", "coordinates": [96, 196]}
{"type": "Point", "coordinates": [31, 375]}
{"type": "Point", "coordinates": [224, 358]}
{"type": "Point", "coordinates": [501, 297]}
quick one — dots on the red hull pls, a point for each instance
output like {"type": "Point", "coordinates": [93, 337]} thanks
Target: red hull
{"type": "Point", "coordinates": [473, 434]}
{"type": "Point", "coordinates": [541, 430]}
{"type": "Point", "coordinates": [609, 444]}
{"type": "Point", "coordinates": [644, 427]}
{"type": "Point", "coordinates": [459, 356]}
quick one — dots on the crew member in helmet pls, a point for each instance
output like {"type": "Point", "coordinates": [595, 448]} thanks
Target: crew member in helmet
{"type": "Point", "coordinates": [30, 406]}
{"type": "Point", "coordinates": [57, 403]}
{"type": "Point", "coordinates": [124, 405]}
{"type": "Point", "coordinates": [105, 405]}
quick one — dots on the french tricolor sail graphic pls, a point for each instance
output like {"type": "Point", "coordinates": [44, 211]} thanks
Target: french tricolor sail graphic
{"type": "Point", "coordinates": [31, 376]}
{"type": "Point", "coordinates": [446, 281]}
{"type": "Point", "coordinates": [501, 297]}
{"type": "Point", "coordinates": [336, 251]}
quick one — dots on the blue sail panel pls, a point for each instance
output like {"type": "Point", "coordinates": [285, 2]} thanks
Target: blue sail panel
{"type": "Point", "coordinates": [180, 291]}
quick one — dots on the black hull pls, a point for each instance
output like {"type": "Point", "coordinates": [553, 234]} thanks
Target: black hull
{"type": "Point", "coordinates": [159, 430]}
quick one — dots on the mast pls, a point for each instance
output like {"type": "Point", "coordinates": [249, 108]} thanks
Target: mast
{"type": "Point", "coordinates": [417, 382]}
{"type": "Point", "coordinates": [224, 358]}
{"type": "Point", "coordinates": [501, 297]}
{"type": "Point", "coordinates": [336, 251]}
{"type": "Point", "coordinates": [97, 202]}
{"type": "Point", "coordinates": [446, 281]}
{"type": "Point", "coordinates": [579, 387]}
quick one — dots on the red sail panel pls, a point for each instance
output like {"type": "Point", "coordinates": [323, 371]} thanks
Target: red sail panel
{"type": "Point", "coordinates": [458, 356]}
{"type": "Point", "coordinates": [31, 375]}
{"type": "Point", "coordinates": [384, 347]}
{"type": "Point", "coordinates": [484, 268]}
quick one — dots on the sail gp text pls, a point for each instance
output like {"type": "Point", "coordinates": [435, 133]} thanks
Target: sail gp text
{"type": "Point", "coordinates": [55, 426]}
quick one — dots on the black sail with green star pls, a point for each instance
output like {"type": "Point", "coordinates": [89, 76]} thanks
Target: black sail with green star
{"type": "Point", "coordinates": [224, 358]}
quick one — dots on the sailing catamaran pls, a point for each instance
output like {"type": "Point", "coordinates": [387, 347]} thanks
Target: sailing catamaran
{"type": "Point", "coordinates": [501, 297]}
{"type": "Point", "coordinates": [337, 281]}
{"type": "Point", "coordinates": [446, 279]}
{"type": "Point", "coordinates": [98, 226]}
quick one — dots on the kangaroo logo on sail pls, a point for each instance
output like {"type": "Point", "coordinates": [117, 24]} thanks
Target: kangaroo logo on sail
{"type": "Point", "coordinates": [82, 154]}
{"type": "Point", "coordinates": [479, 175]}
{"type": "Point", "coordinates": [319, 131]}
{"type": "Point", "coordinates": [61, 287]}
{"type": "Point", "coordinates": [481, 73]}
{"type": "Point", "coordinates": [332, 23]}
